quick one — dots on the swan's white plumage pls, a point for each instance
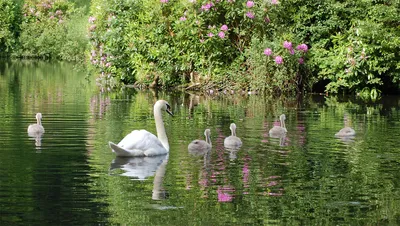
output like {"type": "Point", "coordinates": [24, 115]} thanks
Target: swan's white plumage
{"type": "Point", "coordinates": [232, 142]}
{"type": "Point", "coordinates": [36, 129]}
{"type": "Point", "coordinates": [279, 131]}
{"type": "Point", "coordinates": [143, 143]}
{"type": "Point", "coordinates": [346, 131]}
{"type": "Point", "coordinates": [200, 147]}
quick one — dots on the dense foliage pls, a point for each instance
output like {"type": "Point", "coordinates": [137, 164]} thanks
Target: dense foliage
{"type": "Point", "coordinates": [52, 29]}
{"type": "Point", "coordinates": [268, 46]}
{"type": "Point", "coordinates": [355, 44]}
{"type": "Point", "coordinates": [46, 29]}
{"type": "Point", "coordinates": [8, 26]}
{"type": "Point", "coordinates": [222, 43]}
{"type": "Point", "coordinates": [218, 43]}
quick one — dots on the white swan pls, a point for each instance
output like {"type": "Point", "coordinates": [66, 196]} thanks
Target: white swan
{"type": "Point", "coordinates": [36, 129]}
{"type": "Point", "coordinates": [200, 147]}
{"type": "Point", "coordinates": [142, 142]}
{"type": "Point", "coordinates": [346, 132]}
{"type": "Point", "coordinates": [232, 141]}
{"type": "Point", "coordinates": [279, 131]}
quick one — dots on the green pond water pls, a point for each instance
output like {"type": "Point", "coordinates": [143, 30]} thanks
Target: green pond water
{"type": "Point", "coordinates": [69, 176]}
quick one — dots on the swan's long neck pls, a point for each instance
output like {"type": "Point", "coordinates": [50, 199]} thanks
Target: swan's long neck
{"type": "Point", "coordinates": [162, 136]}
{"type": "Point", "coordinates": [233, 132]}
{"type": "Point", "coordinates": [208, 139]}
{"type": "Point", "coordinates": [38, 121]}
{"type": "Point", "coordinates": [283, 123]}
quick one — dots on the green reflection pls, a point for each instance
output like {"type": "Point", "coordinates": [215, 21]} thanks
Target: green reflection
{"type": "Point", "coordinates": [308, 177]}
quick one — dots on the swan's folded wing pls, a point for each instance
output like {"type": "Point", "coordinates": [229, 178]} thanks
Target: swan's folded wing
{"type": "Point", "coordinates": [141, 140]}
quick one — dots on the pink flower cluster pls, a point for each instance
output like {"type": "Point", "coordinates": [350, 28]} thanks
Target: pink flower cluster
{"type": "Point", "coordinates": [224, 28]}
{"type": "Point", "coordinates": [302, 47]}
{"type": "Point", "coordinates": [278, 60]}
{"type": "Point", "coordinates": [164, 1]}
{"type": "Point", "coordinates": [250, 15]}
{"type": "Point", "coordinates": [289, 46]}
{"type": "Point", "coordinates": [249, 4]}
{"type": "Point", "coordinates": [92, 19]}
{"type": "Point", "coordinates": [221, 34]}
{"type": "Point", "coordinates": [268, 52]}
{"type": "Point", "coordinates": [207, 6]}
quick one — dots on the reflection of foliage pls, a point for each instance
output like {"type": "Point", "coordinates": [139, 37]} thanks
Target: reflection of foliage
{"type": "Point", "coordinates": [321, 181]}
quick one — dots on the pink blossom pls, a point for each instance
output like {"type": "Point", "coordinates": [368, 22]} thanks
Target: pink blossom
{"type": "Point", "coordinates": [291, 51]}
{"type": "Point", "coordinates": [224, 27]}
{"type": "Point", "coordinates": [274, 2]}
{"type": "Point", "coordinates": [302, 47]}
{"type": "Point", "coordinates": [108, 64]}
{"type": "Point", "coordinates": [221, 34]}
{"type": "Point", "coordinates": [210, 34]}
{"type": "Point", "coordinates": [201, 40]}
{"type": "Point", "coordinates": [207, 6]}
{"type": "Point", "coordinates": [249, 4]}
{"type": "Point", "coordinates": [91, 19]}
{"type": "Point", "coordinates": [250, 15]}
{"type": "Point", "coordinates": [182, 18]}
{"type": "Point", "coordinates": [287, 45]}
{"type": "Point", "coordinates": [278, 60]}
{"type": "Point", "coordinates": [224, 197]}
{"type": "Point", "coordinates": [301, 60]}
{"type": "Point", "coordinates": [268, 51]}
{"type": "Point", "coordinates": [164, 1]}
{"type": "Point", "coordinates": [267, 20]}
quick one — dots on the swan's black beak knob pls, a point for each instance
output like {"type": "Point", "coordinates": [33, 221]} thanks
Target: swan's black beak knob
{"type": "Point", "coordinates": [169, 110]}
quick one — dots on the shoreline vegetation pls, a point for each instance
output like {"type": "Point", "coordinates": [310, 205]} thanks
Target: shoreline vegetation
{"type": "Point", "coordinates": [273, 47]}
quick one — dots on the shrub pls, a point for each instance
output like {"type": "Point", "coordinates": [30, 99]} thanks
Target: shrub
{"type": "Point", "coordinates": [176, 41]}
{"type": "Point", "coordinates": [51, 30]}
{"type": "Point", "coordinates": [355, 43]}
{"type": "Point", "coordinates": [8, 26]}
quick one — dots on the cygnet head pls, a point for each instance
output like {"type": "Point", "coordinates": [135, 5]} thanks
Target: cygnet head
{"type": "Point", "coordinates": [207, 133]}
{"type": "Point", "coordinates": [39, 116]}
{"type": "Point", "coordinates": [282, 117]}
{"type": "Point", "coordinates": [232, 126]}
{"type": "Point", "coordinates": [163, 105]}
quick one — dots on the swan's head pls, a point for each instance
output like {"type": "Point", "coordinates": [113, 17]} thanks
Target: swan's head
{"type": "Point", "coordinates": [39, 116]}
{"type": "Point", "coordinates": [232, 127]}
{"type": "Point", "coordinates": [207, 133]}
{"type": "Point", "coordinates": [163, 105]}
{"type": "Point", "coordinates": [282, 117]}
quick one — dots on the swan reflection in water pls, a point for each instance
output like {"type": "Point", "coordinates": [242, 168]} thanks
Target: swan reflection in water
{"type": "Point", "coordinates": [38, 141]}
{"type": "Point", "coordinates": [140, 168]}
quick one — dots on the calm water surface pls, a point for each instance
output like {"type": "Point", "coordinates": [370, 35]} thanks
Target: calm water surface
{"type": "Point", "coordinates": [70, 176]}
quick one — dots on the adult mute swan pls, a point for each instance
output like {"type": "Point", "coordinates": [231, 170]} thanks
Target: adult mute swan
{"type": "Point", "coordinates": [36, 129]}
{"type": "Point", "coordinates": [279, 131]}
{"type": "Point", "coordinates": [232, 141]}
{"type": "Point", "coordinates": [200, 147]}
{"type": "Point", "coordinates": [142, 142]}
